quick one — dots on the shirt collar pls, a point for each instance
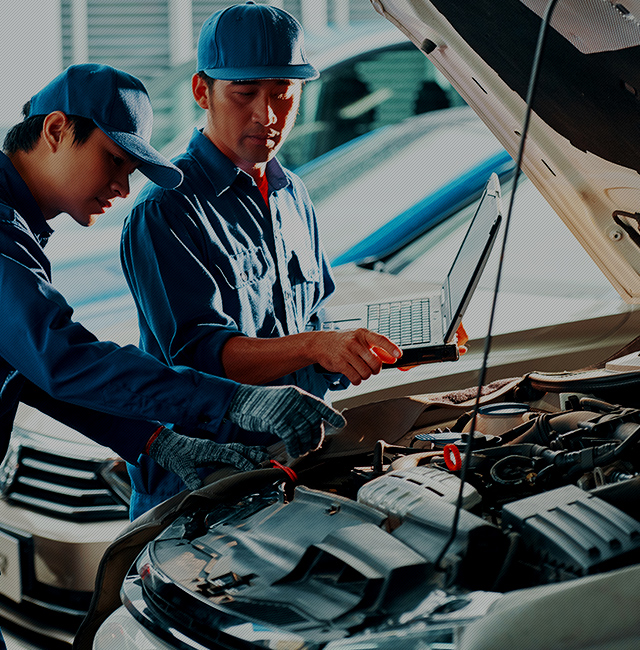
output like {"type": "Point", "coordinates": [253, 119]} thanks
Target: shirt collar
{"type": "Point", "coordinates": [15, 193]}
{"type": "Point", "coordinates": [222, 172]}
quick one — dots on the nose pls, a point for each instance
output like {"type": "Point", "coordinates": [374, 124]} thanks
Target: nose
{"type": "Point", "coordinates": [120, 185]}
{"type": "Point", "coordinates": [263, 112]}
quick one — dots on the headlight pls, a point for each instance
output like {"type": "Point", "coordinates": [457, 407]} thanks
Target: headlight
{"type": "Point", "coordinates": [9, 466]}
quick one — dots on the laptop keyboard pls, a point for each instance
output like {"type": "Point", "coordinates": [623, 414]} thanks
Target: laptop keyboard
{"type": "Point", "coordinates": [405, 322]}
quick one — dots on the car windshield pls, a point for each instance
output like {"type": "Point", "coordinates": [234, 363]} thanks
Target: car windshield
{"type": "Point", "coordinates": [362, 94]}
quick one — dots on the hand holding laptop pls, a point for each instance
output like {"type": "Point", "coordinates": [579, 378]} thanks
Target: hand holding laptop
{"type": "Point", "coordinates": [426, 326]}
{"type": "Point", "coordinates": [357, 353]}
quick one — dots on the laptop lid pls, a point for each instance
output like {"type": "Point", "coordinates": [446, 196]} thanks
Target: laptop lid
{"type": "Point", "coordinates": [472, 256]}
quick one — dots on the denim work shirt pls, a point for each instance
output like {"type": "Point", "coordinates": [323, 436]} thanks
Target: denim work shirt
{"type": "Point", "coordinates": [209, 260]}
{"type": "Point", "coordinates": [114, 395]}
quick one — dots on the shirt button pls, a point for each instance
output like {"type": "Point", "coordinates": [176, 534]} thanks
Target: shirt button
{"type": "Point", "coordinates": [203, 418]}
{"type": "Point", "coordinates": [244, 277]}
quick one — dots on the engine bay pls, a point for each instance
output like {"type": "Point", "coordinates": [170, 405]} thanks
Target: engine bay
{"type": "Point", "coordinates": [365, 544]}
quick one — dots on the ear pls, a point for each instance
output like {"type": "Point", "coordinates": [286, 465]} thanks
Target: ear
{"type": "Point", "coordinates": [55, 128]}
{"type": "Point", "coordinates": [200, 91]}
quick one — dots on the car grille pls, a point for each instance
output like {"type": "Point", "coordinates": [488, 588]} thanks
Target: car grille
{"type": "Point", "coordinates": [71, 488]}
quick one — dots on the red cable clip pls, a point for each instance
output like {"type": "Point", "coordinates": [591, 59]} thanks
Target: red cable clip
{"type": "Point", "coordinates": [287, 470]}
{"type": "Point", "coordinates": [452, 457]}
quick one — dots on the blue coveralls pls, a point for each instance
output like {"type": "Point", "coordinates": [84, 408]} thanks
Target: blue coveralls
{"type": "Point", "coordinates": [208, 261]}
{"type": "Point", "coordinates": [113, 395]}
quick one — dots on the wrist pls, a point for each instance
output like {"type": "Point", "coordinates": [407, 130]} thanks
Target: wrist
{"type": "Point", "coordinates": [237, 408]}
{"type": "Point", "coordinates": [310, 345]}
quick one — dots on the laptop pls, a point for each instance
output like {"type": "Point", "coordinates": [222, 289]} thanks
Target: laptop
{"type": "Point", "coordinates": [425, 326]}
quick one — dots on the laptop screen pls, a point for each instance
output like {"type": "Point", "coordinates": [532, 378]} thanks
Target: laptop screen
{"type": "Point", "coordinates": [472, 256]}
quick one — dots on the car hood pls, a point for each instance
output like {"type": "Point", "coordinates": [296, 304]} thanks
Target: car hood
{"type": "Point", "coordinates": [583, 145]}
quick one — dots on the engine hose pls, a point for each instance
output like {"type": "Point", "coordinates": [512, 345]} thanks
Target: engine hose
{"type": "Point", "coordinates": [548, 427]}
{"type": "Point", "coordinates": [628, 433]}
{"type": "Point", "coordinates": [593, 404]}
{"type": "Point", "coordinates": [586, 459]}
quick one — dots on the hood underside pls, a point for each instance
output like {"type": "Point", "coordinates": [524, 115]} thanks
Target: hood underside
{"type": "Point", "coordinates": [583, 145]}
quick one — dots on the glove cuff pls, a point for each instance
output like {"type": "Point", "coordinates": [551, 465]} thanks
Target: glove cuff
{"type": "Point", "coordinates": [152, 439]}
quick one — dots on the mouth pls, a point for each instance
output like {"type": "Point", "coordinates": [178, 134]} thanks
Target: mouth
{"type": "Point", "coordinates": [263, 138]}
{"type": "Point", "coordinates": [103, 203]}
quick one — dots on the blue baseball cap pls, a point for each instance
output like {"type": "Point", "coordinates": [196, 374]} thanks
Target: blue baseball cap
{"type": "Point", "coordinates": [250, 41]}
{"type": "Point", "coordinates": [119, 105]}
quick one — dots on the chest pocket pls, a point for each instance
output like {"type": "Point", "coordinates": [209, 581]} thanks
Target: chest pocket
{"type": "Point", "coordinates": [302, 267]}
{"type": "Point", "coordinates": [245, 268]}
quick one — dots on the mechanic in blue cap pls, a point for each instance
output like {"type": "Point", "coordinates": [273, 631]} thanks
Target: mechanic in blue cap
{"type": "Point", "coordinates": [82, 136]}
{"type": "Point", "coordinates": [227, 270]}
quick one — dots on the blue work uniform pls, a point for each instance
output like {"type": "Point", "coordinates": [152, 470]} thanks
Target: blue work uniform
{"type": "Point", "coordinates": [210, 260]}
{"type": "Point", "coordinates": [113, 395]}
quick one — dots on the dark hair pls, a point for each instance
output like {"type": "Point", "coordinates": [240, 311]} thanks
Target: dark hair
{"type": "Point", "coordinates": [25, 135]}
{"type": "Point", "coordinates": [209, 81]}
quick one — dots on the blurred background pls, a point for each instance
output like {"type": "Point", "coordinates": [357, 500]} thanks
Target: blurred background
{"type": "Point", "coordinates": [144, 37]}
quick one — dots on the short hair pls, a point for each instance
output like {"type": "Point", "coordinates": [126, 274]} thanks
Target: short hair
{"type": "Point", "coordinates": [208, 80]}
{"type": "Point", "coordinates": [25, 135]}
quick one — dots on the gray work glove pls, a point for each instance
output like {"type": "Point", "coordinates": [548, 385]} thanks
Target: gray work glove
{"type": "Point", "coordinates": [289, 412]}
{"type": "Point", "coordinates": [182, 455]}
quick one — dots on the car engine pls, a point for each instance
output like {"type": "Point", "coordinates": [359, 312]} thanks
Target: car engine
{"type": "Point", "coordinates": [367, 545]}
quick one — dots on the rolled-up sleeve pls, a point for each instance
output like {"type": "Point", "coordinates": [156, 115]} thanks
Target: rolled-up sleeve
{"type": "Point", "coordinates": [211, 260]}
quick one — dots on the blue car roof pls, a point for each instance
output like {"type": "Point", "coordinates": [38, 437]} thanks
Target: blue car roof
{"type": "Point", "coordinates": [428, 213]}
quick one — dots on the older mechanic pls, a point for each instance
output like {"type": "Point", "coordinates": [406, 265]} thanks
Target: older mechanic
{"type": "Point", "coordinates": [227, 270]}
{"type": "Point", "coordinates": [73, 153]}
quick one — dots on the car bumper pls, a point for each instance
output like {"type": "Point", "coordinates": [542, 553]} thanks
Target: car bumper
{"type": "Point", "coordinates": [49, 569]}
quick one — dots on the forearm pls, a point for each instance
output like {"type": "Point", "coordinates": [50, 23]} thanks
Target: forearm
{"type": "Point", "coordinates": [257, 361]}
{"type": "Point", "coordinates": [354, 353]}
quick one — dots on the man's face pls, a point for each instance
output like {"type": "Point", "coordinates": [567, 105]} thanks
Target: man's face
{"type": "Point", "coordinates": [249, 120]}
{"type": "Point", "coordinates": [90, 175]}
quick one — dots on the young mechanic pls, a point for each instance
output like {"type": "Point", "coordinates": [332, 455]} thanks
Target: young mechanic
{"type": "Point", "coordinates": [227, 270]}
{"type": "Point", "coordinates": [82, 136]}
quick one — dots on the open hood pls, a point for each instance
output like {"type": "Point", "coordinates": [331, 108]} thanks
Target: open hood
{"type": "Point", "coordinates": [583, 146]}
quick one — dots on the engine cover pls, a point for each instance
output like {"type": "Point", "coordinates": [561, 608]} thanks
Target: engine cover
{"type": "Point", "coordinates": [573, 531]}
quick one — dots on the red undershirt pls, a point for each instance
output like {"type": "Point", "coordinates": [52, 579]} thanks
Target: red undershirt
{"type": "Point", "coordinates": [263, 186]}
